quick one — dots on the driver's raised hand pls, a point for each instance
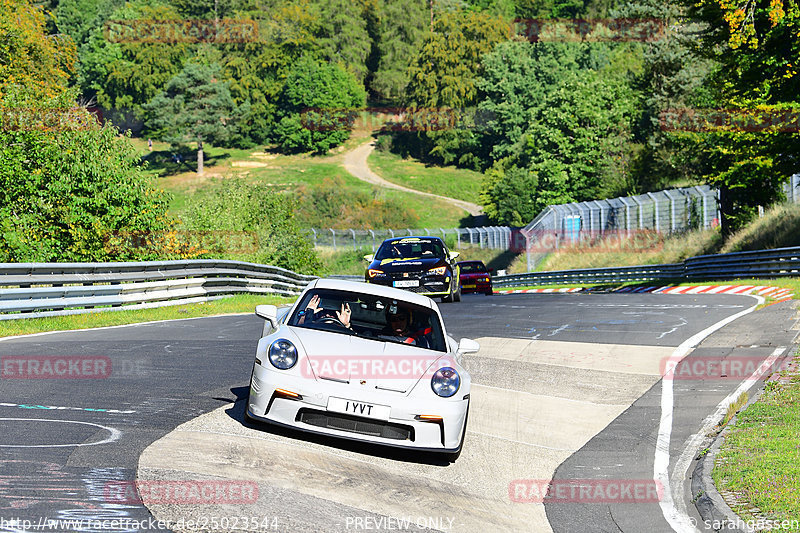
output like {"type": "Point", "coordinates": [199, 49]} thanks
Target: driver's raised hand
{"type": "Point", "coordinates": [313, 304]}
{"type": "Point", "coordinates": [344, 314]}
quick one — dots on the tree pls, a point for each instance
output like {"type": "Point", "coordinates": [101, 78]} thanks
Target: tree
{"type": "Point", "coordinates": [238, 206]}
{"type": "Point", "coordinates": [315, 107]}
{"type": "Point", "coordinates": [30, 58]}
{"type": "Point", "coordinates": [257, 70]}
{"type": "Point", "coordinates": [77, 18]}
{"type": "Point", "coordinates": [125, 75]}
{"type": "Point", "coordinates": [756, 49]}
{"type": "Point", "coordinates": [402, 27]}
{"type": "Point", "coordinates": [559, 131]}
{"type": "Point", "coordinates": [67, 193]}
{"type": "Point", "coordinates": [445, 75]}
{"type": "Point", "coordinates": [343, 37]}
{"type": "Point", "coordinates": [194, 107]}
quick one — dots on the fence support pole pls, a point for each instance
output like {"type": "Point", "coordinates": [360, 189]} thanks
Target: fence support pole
{"type": "Point", "coordinates": [334, 238]}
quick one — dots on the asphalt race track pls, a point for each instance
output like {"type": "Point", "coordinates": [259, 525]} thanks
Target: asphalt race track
{"type": "Point", "coordinates": [566, 386]}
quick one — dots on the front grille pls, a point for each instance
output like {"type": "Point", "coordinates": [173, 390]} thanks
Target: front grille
{"type": "Point", "coordinates": [355, 424]}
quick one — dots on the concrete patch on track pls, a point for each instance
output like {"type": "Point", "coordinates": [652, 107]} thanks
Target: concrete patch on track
{"type": "Point", "coordinates": [516, 431]}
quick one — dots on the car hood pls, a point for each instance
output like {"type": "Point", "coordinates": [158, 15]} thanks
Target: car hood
{"type": "Point", "coordinates": [362, 362]}
{"type": "Point", "coordinates": [474, 275]}
{"type": "Point", "coordinates": [408, 265]}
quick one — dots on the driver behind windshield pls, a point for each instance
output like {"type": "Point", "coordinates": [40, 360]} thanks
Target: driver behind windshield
{"type": "Point", "coordinates": [313, 313]}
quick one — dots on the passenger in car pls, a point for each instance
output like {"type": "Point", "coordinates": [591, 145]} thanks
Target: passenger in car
{"type": "Point", "coordinates": [399, 322]}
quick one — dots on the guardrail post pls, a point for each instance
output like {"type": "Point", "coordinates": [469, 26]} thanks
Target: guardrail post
{"type": "Point", "coordinates": [354, 238]}
{"type": "Point", "coordinates": [315, 236]}
{"type": "Point", "coordinates": [373, 240]}
{"type": "Point", "coordinates": [334, 238]}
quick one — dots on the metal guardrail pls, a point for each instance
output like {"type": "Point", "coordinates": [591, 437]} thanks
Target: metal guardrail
{"type": "Point", "coordinates": [594, 275]}
{"type": "Point", "coordinates": [780, 262]}
{"type": "Point", "coordinates": [29, 290]}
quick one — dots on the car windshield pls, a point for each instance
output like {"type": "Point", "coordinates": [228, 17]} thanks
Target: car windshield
{"type": "Point", "coordinates": [472, 267]}
{"type": "Point", "coordinates": [372, 317]}
{"type": "Point", "coordinates": [410, 248]}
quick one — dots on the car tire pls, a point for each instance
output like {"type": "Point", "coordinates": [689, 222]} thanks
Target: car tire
{"type": "Point", "coordinates": [457, 295]}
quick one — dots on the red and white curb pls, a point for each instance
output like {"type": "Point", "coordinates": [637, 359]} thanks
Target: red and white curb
{"type": "Point", "coordinates": [777, 293]}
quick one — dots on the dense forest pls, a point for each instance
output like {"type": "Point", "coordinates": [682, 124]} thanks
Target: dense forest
{"type": "Point", "coordinates": [568, 115]}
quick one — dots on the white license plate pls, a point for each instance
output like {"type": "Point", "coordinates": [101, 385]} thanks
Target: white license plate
{"type": "Point", "coordinates": [407, 283]}
{"type": "Point", "coordinates": [352, 407]}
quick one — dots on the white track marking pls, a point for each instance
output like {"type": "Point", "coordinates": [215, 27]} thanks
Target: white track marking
{"type": "Point", "coordinates": [677, 518]}
{"type": "Point", "coordinates": [693, 444]}
{"type": "Point", "coordinates": [114, 434]}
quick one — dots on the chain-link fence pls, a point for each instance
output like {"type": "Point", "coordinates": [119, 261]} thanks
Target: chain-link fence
{"type": "Point", "coordinates": [630, 218]}
{"type": "Point", "coordinates": [493, 237]}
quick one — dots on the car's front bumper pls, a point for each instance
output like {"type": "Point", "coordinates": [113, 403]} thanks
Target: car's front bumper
{"type": "Point", "coordinates": [476, 286]}
{"type": "Point", "coordinates": [402, 429]}
{"type": "Point", "coordinates": [431, 286]}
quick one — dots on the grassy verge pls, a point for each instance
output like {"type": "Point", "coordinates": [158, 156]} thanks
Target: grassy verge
{"type": "Point", "coordinates": [759, 462]}
{"type": "Point", "coordinates": [452, 182]}
{"type": "Point", "coordinates": [234, 304]}
{"type": "Point", "coordinates": [295, 174]}
{"type": "Point", "coordinates": [778, 228]}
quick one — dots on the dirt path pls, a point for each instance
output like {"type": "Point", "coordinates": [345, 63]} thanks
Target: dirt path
{"type": "Point", "coordinates": [355, 162]}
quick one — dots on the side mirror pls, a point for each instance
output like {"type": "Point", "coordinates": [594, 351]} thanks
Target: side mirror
{"type": "Point", "coordinates": [467, 346]}
{"type": "Point", "coordinates": [269, 313]}
{"type": "Point", "coordinates": [369, 258]}
{"type": "Point", "coordinates": [453, 255]}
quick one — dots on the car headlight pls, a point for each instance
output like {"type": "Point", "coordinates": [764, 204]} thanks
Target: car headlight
{"type": "Point", "coordinates": [372, 272]}
{"type": "Point", "coordinates": [485, 279]}
{"type": "Point", "coordinates": [282, 354]}
{"type": "Point", "coordinates": [445, 382]}
{"type": "Point", "coordinates": [438, 271]}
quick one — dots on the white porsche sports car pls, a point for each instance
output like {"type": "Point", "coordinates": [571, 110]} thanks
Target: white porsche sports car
{"type": "Point", "coordinates": [362, 362]}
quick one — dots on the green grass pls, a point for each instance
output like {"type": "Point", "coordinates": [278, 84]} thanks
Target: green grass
{"type": "Point", "coordinates": [283, 172]}
{"type": "Point", "coordinates": [446, 181]}
{"type": "Point", "coordinates": [759, 462]}
{"type": "Point", "coordinates": [233, 304]}
{"type": "Point", "coordinates": [650, 249]}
